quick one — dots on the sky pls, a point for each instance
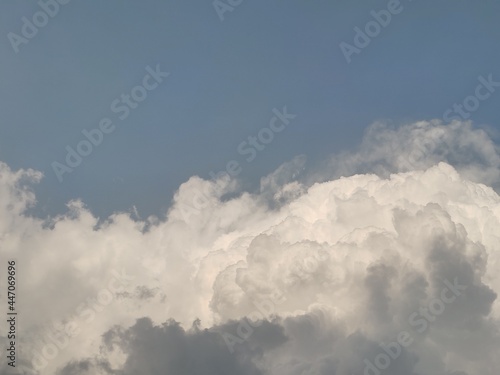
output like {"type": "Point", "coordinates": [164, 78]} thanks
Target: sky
{"type": "Point", "coordinates": [250, 187]}
{"type": "Point", "coordinates": [225, 79]}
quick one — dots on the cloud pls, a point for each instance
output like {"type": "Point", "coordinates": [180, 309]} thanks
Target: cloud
{"type": "Point", "coordinates": [331, 269]}
{"type": "Point", "coordinates": [388, 149]}
{"type": "Point", "coordinates": [169, 349]}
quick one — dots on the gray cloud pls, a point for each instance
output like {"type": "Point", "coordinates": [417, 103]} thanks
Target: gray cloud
{"type": "Point", "coordinates": [387, 149]}
{"type": "Point", "coordinates": [169, 349]}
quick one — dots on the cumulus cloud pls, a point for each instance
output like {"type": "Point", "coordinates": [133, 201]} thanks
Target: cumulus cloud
{"type": "Point", "coordinates": [298, 278]}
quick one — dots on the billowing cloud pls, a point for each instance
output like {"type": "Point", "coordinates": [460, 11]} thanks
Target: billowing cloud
{"type": "Point", "coordinates": [169, 349]}
{"type": "Point", "coordinates": [390, 270]}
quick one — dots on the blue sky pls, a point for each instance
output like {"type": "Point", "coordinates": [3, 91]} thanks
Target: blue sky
{"type": "Point", "coordinates": [225, 79]}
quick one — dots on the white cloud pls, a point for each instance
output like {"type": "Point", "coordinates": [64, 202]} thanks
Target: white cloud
{"type": "Point", "coordinates": [353, 258]}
